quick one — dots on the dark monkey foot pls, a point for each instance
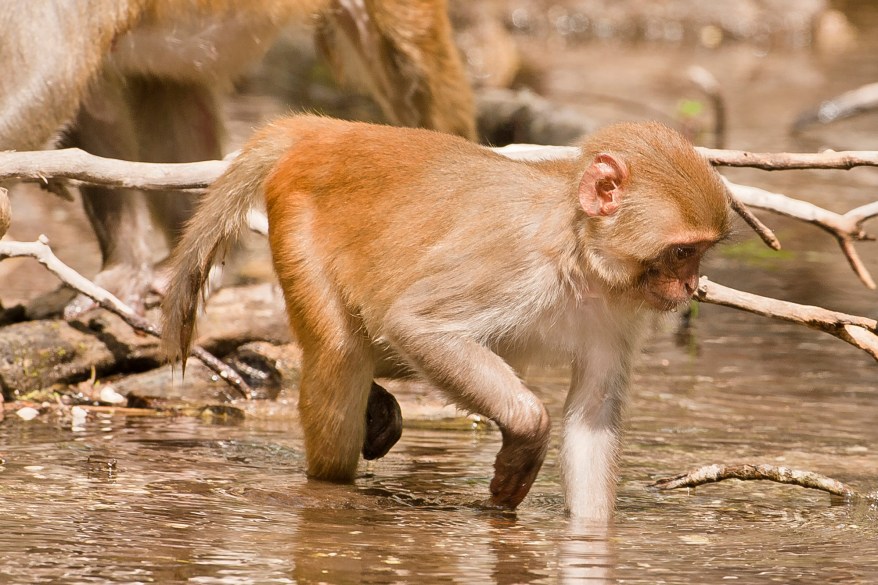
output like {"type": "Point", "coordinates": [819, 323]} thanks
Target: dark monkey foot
{"type": "Point", "coordinates": [383, 423]}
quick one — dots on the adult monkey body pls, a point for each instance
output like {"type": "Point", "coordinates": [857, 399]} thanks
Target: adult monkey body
{"type": "Point", "coordinates": [451, 256]}
{"type": "Point", "coordinates": [137, 80]}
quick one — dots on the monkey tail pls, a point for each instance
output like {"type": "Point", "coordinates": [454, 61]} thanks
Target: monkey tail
{"type": "Point", "coordinates": [217, 222]}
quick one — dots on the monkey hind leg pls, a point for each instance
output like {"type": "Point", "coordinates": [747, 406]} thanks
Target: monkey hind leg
{"type": "Point", "coordinates": [150, 120]}
{"type": "Point", "coordinates": [333, 398]}
{"type": "Point", "coordinates": [175, 121]}
{"type": "Point", "coordinates": [120, 219]}
{"type": "Point", "coordinates": [337, 366]}
{"type": "Point", "coordinates": [383, 423]}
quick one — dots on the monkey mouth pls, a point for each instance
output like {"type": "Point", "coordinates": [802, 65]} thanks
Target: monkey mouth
{"type": "Point", "coordinates": [664, 304]}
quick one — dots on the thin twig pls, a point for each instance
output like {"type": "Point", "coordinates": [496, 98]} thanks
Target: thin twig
{"type": "Point", "coordinates": [858, 331]}
{"type": "Point", "coordinates": [850, 103]}
{"type": "Point", "coordinates": [718, 472]}
{"type": "Point", "coordinates": [710, 86]}
{"type": "Point", "coordinates": [41, 251]}
{"type": "Point", "coordinates": [762, 230]}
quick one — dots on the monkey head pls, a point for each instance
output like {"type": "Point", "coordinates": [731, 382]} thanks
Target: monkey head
{"type": "Point", "coordinates": [653, 208]}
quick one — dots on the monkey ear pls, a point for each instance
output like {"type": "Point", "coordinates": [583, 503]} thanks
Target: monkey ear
{"type": "Point", "coordinates": [602, 185]}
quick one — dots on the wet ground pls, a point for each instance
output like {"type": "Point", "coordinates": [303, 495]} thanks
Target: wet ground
{"type": "Point", "coordinates": [182, 500]}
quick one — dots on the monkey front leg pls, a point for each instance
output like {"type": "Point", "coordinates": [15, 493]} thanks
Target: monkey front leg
{"type": "Point", "coordinates": [590, 437]}
{"type": "Point", "coordinates": [479, 381]}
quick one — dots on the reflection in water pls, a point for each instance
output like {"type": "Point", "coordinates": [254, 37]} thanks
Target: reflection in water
{"type": "Point", "coordinates": [585, 554]}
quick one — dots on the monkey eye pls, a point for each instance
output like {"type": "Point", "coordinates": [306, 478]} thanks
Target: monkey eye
{"type": "Point", "coordinates": [681, 253]}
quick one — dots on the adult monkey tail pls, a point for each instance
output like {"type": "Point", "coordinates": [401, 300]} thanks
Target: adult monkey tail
{"type": "Point", "coordinates": [220, 217]}
{"type": "Point", "coordinates": [402, 53]}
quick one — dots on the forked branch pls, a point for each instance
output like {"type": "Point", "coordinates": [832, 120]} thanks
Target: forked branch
{"type": "Point", "coordinates": [846, 228]}
{"type": "Point", "coordinates": [41, 251]}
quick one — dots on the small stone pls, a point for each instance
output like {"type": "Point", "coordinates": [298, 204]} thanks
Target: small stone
{"type": "Point", "coordinates": [28, 413]}
{"type": "Point", "coordinates": [110, 396]}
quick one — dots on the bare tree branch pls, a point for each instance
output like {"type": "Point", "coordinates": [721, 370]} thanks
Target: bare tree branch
{"type": "Point", "coordinates": [858, 331]}
{"type": "Point", "coordinates": [850, 103]}
{"type": "Point", "coordinates": [718, 472]}
{"type": "Point", "coordinates": [710, 86]}
{"type": "Point", "coordinates": [41, 251]}
{"type": "Point", "coordinates": [81, 166]}
{"type": "Point", "coordinates": [76, 164]}
{"type": "Point", "coordinates": [786, 161]}
{"type": "Point", "coordinates": [762, 230]}
{"type": "Point", "coordinates": [846, 228]}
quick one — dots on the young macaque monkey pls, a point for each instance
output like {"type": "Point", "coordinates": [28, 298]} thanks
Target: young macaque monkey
{"type": "Point", "coordinates": [139, 80]}
{"type": "Point", "coordinates": [468, 266]}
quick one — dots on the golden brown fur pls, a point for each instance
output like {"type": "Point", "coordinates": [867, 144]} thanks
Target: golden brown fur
{"type": "Point", "coordinates": [452, 256]}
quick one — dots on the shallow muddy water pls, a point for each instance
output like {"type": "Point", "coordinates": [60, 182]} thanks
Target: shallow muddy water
{"type": "Point", "coordinates": [168, 500]}
{"type": "Point", "coordinates": [180, 500]}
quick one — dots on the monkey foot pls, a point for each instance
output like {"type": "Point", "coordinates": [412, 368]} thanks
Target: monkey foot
{"type": "Point", "coordinates": [383, 423]}
{"type": "Point", "coordinates": [129, 284]}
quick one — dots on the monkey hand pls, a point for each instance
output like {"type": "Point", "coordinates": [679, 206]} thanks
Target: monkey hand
{"type": "Point", "coordinates": [515, 469]}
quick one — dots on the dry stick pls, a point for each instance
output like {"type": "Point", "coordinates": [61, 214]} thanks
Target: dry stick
{"type": "Point", "coordinates": [717, 472]}
{"type": "Point", "coordinates": [75, 164]}
{"type": "Point", "coordinates": [41, 251]}
{"type": "Point", "coordinates": [858, 331]}
{"type": "Point", "coordinates": [785, 161]}
{"type": "Point", "coordinates": [710, 86]}
{"type": "Point", "coordinates": [850, 103]}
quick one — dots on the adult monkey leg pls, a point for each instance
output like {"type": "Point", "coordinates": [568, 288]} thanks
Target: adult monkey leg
{"type": "Point", "coordinates": [176, 122]}
{"type": "Point", "coordinates": [151, 120]}
{"type": "Point", "coordinates": [104, 126]}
